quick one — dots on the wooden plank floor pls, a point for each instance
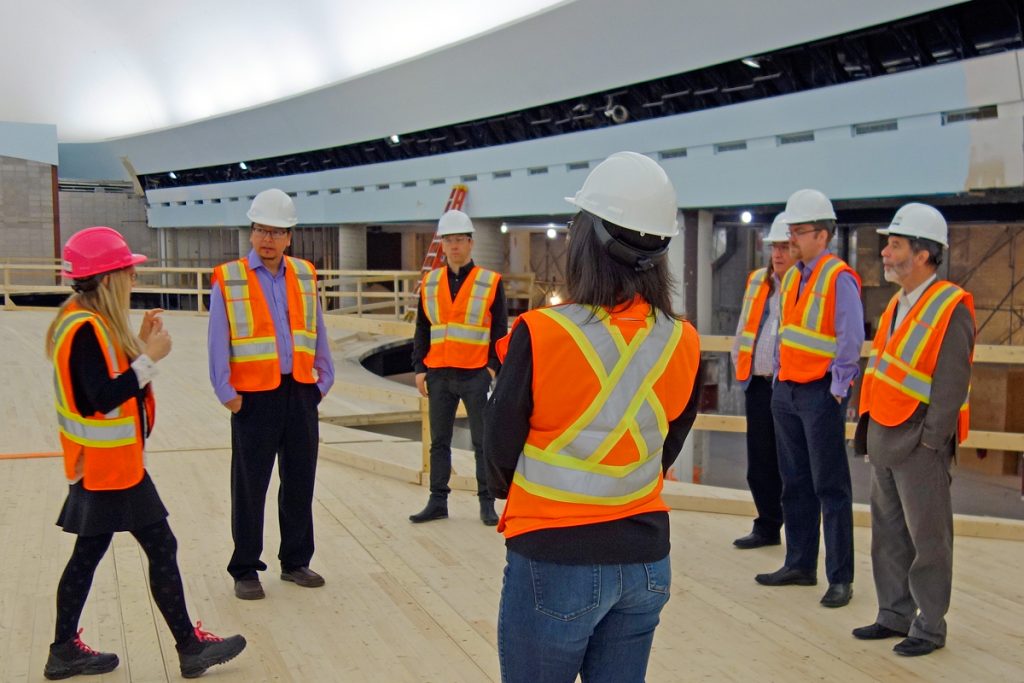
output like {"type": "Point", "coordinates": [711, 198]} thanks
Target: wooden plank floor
{"type": "Point", "coordinates": [416, 603]}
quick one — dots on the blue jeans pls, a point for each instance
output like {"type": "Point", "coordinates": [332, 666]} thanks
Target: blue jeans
{"type": "Point", "coordinates": [559, 620]}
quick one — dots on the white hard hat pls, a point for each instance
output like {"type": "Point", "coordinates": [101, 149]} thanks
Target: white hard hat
{"type": "Point", "coordinates": [632, 191]}
{"type": "Point", "coordinates": [454, 222]}
{"type": "Point", "coordinates": [779, 231]}
{"type": "Point", "coordinates": [808, 206]}
{"type": "Point", "coordinates": [274, 208]}
{"type": "Point", "coordinates": [918, 221]}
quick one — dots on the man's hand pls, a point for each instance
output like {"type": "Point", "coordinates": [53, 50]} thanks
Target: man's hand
{"type": "Point", "coordinates": [421, 384]}
{"type": "Point", "coordinates": [234, 405]}
{"type": "Point", "coordinates": [491, 370]}
{"type": "Point", "coordinates": [839, 399]}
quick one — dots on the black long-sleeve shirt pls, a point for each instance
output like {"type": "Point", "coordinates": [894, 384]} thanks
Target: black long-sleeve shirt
{"type": "Point", "coordinates": [499, 324]}
{"type": "Point", "coordinates": [641, 538]}
{"type": "Point", "coordinates": [94, 390]}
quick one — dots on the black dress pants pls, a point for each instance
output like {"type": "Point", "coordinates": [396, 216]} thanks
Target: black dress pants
{"type": "Point", "coordinates": [279, 424]}
{"type": "Point", "coordinates": [762, 458]}
{"type": "Point", "coordinates": [446, 388]}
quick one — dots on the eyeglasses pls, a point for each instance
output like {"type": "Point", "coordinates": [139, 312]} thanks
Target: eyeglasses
{"type": "Point", "coordinates": [798, 233]}
{"type": "Point", "coordinates": [455, 239]}
{"type": "Point", "coordinates": [276, 233]}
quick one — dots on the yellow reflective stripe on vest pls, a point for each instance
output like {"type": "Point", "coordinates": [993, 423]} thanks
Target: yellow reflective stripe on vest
{"type": "Point", "coordinates": [430, 287]}
{"type": "Point", "coordinates": [65, 327]}
{"type": "Point", "coordinates": [812, 318]}
{"type": "Point", "coordinates": [108, 433]}
{"type": "Point", "coordinates": [908, 352]}
{"type": "Point", "coordinates": [235, 280]}
{"type": "Point", "coordinates": [797, 337]}
{"type": "Point", "coordinates": [914, 343]}
{"type": "Point", "coordinates": [481, 289]}
{"type": "Point", "coordinates": [570, 468]}
{"type": "Point", "coordinates": [307, 290]}
{"type": "Point", "coordinates": [253, 348]}
{"type": "Point", "coordinates": [754, 284]}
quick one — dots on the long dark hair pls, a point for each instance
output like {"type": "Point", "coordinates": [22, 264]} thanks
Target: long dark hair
{"type": "Point", "coordinates": [594, 278]}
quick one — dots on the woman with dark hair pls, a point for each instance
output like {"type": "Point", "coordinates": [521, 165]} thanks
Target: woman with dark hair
{"type": "Point", "coordinates": [593, 402]}
{"type": "Point", "coordinates": [105, 411]}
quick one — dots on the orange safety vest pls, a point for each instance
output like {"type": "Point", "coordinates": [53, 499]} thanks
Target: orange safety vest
{"type": "Point", "coordinates": [754, 300]}
{"type": "Point", "coordinates": [807, 337]}
{"type": "Point", "coordinates": [460, 330]}
{"type": "Point", "coordinates": [899, 372]}
{"type": "Point", "coordinates": [104, 451]}
{"type": "Point", "coordinates": [605, 388]}
{"type": "Point", "coordinates": [253, 358]}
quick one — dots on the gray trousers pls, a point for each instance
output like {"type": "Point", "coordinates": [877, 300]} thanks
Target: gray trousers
{"type": "Point", "coordinates": [912, 543]}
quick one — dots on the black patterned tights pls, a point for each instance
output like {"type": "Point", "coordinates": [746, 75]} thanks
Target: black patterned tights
{"type": "Point", "coordinates": [160, 547]}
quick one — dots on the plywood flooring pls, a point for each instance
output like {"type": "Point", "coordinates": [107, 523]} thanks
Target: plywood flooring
{"type": "Point", "coordinates": [416, 603]}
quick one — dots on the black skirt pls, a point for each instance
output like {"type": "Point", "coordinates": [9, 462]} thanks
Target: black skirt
{"type": "Point", "coordinates": [91, 513]}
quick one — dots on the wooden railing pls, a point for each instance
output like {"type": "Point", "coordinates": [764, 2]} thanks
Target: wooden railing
{"type": "Point", "coordinates": [355, 292]}
{"type": "Point", "coordinates": [387, 296]}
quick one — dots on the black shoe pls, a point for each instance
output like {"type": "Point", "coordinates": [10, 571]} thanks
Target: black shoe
{"type": "Point", "coordinates": [837, 595]}
{"type": "Point", "coordinates": [915, 647]}
{"type": "Point", "coordinates": [75, 657]}
{"type": "Point", "coordinates": [303, 576]}
{"type": "Point", "coordinates": [249, 589]}
{"type": "Point", "coordinates": [787, 577]}
{"type": "Point", "coordinates": [755, 540]}
{"type": "Point", "coordinates": [436, 509]}
{"type": "Point", "coordinates": [207, 650]}
{"type": "Point", "coordinates": [487, 514]}
{"type": "Point", "coordinates": [877, 632]}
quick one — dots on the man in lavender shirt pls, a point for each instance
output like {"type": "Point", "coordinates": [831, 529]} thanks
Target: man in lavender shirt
{"type": "Point", "coordinates": [820, 340]}
{"type": "Point", "coordinates": [270, 364]}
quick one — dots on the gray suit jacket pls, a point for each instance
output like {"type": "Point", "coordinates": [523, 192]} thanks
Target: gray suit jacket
{"type": "Point", "coordinates": [931, 426]}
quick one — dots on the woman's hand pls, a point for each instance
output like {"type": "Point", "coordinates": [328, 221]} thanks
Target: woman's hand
{"type": "Point", "coordinates": [151, 322]}
{"type": "Point", "coordinates": [159, 343]}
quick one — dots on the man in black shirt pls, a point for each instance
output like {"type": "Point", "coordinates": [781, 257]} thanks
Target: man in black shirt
{"type": "Point", "coordinates": [462, 313]}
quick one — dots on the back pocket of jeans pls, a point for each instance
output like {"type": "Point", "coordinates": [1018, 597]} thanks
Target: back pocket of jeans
{"type": "Point", "coordinates": [659, 576]}
{"type": "Point", "coordinates": [565, 591]}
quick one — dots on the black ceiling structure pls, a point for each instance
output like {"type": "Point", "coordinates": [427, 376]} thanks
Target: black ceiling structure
{"type": "Point", "coordinates": [950, 34]}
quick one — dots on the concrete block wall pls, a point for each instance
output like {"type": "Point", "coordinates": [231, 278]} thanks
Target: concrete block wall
{"type": "Point", "coordinates": [26, 211]}
{"type": "Point", "coordinates": [126, 213]}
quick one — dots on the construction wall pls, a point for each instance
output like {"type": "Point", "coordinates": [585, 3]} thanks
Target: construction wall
{"type": "Point", "coordinates": [26, 212]}
{"type": "Point", "coordinates": [85, 206]}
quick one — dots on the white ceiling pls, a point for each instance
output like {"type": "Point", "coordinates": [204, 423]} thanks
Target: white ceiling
{"type": "Point", "coordinates": [103, 69]}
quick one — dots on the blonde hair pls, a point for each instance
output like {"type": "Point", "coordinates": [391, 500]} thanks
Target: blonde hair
{"type": "Point", "coordinates": [111, 300]}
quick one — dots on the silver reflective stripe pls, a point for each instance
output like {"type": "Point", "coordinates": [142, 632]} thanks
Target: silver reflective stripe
{"type": "Point", "coordinates": [924, 322]}
{"type": "Point", "coordinates": [261, 349]}
{"type": "Point", "coordinates": [459, 333]}
{"type": "Point", "coordinates": [236, 298]}
{"type": "Point", "coordinates": [307, 289]}
{"type": "Point", "coordinates": [921, 388]}
{"type": "Point", "coordinates": [476, 309]}
{"type": "Point", "coordinates": [816, 307]}
{"type": "Point", "coordinates": [627, 371]}
{"type": "Point", "coordinates": [793, 335]}
{"type": "Point", "coordinates": [95, 434]}
{"type": "Point", "coordinates": [437, 333]}
{"type": "Point", "coordinates": [590, 483]}
{"type": "Point", "coordinates": [753, 286]}
{"type": "Point", "coordinates": [303, 342]}
{"type": "Point", "coordinates": [430, 287]}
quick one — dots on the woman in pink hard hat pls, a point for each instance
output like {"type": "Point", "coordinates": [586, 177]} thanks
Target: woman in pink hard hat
{"type": "Point", "coordinates": [105, 411]}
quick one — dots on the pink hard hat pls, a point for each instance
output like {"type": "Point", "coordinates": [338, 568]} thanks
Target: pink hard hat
{"type": "Point", "coordinates": [97, 250]}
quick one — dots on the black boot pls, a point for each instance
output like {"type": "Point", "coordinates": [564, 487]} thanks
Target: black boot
{"type": "Point", "coordinates": [75, 657]}
{"type": "Point", "coordinates": [437, 508]}
{"type": "Point", "coordinates": [487, 514]}
{"type": "Point", "coordinates": [205, 650]}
